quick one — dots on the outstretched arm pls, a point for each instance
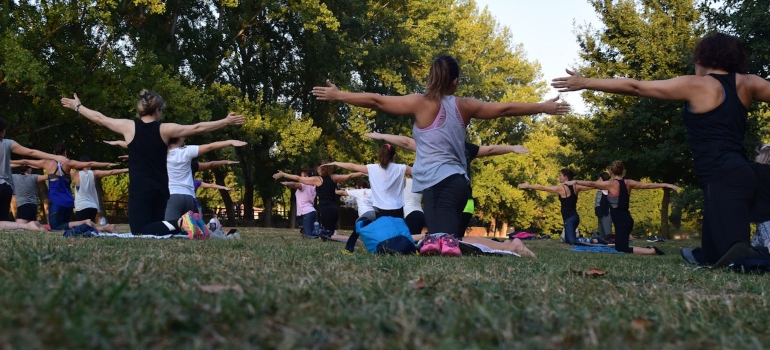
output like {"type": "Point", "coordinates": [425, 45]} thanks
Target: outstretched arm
{"type": "Point", "coordinates": [398, 140]}
{"type": "Point", "coordinates": [473, 108]}
{"type": "Point", "coordinates": [28, 152]}
{"type": "Point", "coordinates": [213, 164]}
{"type": "Point", "coordinates": [350, 166]}
{"type": "Point", "coordinates": [312, 180]}
{"type": "Point", "coordinates": [496, 150]}
{"type": "Point", "coordinates": [120, 126]}
{"type": "Point", "coordinates": [169, 130]}
{"type": "Point", "coordinates": [102, 173]}
{"type": "Point", "coordinates": [294, 185]}
{"type": "Point", "coordinates": [74, 164]}
{"type": "Point", "coordinates": [603, 185]}
{"type": "Point", "coordinates": [215, 186]}
{"type": "Point", "coordinates": [552, 189]}
{"type": "Point", "coordinates": [119, 143]}
{"type": "Point", "coordinates": [649, 185]}
{"type": "Point", "coordinates": [401, 105]}
{"type": "Point", "coordinates": [35, 163]}
{"type": "Point", "coordinates": [682, 88]}
{"type": "Point", "coordinates": [337, 178]}
{"type": "Point", "coordinates": [203, 149]}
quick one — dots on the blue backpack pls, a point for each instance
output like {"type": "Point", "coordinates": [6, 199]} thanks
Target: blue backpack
{"type": "Point", "coordinates": [386, 235]}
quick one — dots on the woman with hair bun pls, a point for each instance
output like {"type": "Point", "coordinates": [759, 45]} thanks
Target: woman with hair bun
{"type": "Point", "coordinates": [716, 101]}
{"type": "Point", "coordinates": [619, 196]}
{"type": "Point", "coordinates": [147, 139]}
{"type": "Point", "coordinates": [440, 119]}
{"type": "Point", "coordinates": [386, 180]}
{"type": "Point", "coordinates": [568, 196]}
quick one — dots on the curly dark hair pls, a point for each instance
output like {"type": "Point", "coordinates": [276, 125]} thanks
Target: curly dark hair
{"type": "Point", "coordinates": [721, 51]}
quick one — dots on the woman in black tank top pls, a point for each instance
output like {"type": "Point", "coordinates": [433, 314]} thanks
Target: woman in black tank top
{"type": "Point", "coordinates": [147, 142]}
{"type": "Point", "coordinates": [620, 196]}
{"type": "Point", "coordinates": [326, 185]}
{"type": "Point", "coordinates": [568, 195]}
{"type": "Point", "coordinates": [716, 101]}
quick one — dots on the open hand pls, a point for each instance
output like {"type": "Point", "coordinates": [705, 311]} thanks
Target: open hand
{"type": "Point", "coordinates": [330, 92]}
{"type": "Point", "coordinates": [235, 119]}
{"type": "Point", "coordinates": [573, 82]}
{"type": "Point", "coordinates": [555, 108]}
{"type": "Point", "coordinates": [70, 103]}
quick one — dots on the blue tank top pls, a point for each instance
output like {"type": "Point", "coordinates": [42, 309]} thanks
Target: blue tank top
{"type": "Point", "coordinates": [440, 147]}
{"type": "Point", "coordinates": [59, 190]}
{"type": "Point", "coordinates": [717, 137]}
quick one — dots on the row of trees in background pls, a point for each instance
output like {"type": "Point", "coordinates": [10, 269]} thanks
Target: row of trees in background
{"type": "Point", "coordinates": [262, 58]}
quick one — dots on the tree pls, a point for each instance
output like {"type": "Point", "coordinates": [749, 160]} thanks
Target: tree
{"type": "Point", "coordinates": [642, 40]}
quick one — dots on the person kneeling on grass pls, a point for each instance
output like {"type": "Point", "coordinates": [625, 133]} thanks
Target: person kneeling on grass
{"type": "Point", "coordinates": [619, 196]}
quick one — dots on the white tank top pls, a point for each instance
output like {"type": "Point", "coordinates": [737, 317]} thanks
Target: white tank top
{"type": "Point", "coordinates": [85, 194]}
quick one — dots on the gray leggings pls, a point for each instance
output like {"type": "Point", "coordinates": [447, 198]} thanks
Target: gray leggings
{"type": "Point", "coordinates": [177, 205]}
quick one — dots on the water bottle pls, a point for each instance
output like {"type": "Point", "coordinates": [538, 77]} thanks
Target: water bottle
{"type": "Point", "coordinates": [102, 221]}
{"type": "Point", "coordinates": [316, 227]}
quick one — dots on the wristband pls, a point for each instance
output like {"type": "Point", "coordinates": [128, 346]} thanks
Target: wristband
{"type": "Point", "coordinates": [78, 106]}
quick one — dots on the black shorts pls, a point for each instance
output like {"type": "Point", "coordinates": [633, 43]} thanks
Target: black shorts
{"type": "Point", "coordinates": [87, 213]}
{"type": "Point", "coordinates": [27, 212]}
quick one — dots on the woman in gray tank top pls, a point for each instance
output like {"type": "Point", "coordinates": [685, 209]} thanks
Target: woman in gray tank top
{"type": "Point", "coordinates": [439, 133]}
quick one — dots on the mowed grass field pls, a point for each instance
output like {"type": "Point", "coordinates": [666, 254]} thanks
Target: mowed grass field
{"type": "Point", "coordinates": [273, 289]}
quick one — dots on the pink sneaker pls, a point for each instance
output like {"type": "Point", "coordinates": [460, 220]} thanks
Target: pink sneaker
{"type": "Point", "coordinates": [450, 246]}
{"type": "Point", "coordinates": [431, 245]}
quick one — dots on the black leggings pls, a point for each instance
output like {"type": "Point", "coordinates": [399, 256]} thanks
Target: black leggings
{"type": "Point", "coordinates": [87, 213]}
{"type": "Point", "coordinates": [444, 204]}
{"type": "Point", "coordinates": [396, 213]}
{"type": "Point", "coordinates": [146, 207]}
{"type": "Point", "coordinates": [624, 223]}
{"type": "Point", "coordinates": [160, 228]}
{"type": "Point", "coordinates": [328, 216]}
{"type": "Point", "coordinates": [415, 221]}
{"type": "Point", "coordinates": [6, 192]}
{"type": "Point", "coordinates": [726, 212]}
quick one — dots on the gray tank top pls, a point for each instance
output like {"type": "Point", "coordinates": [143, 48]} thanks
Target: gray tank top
{"type": "Point", "coordinates": [5, 162]}
{"type": "Point", "coordinates": [440, 147]}
{"type": "Point", "coordinates": [25, 189]}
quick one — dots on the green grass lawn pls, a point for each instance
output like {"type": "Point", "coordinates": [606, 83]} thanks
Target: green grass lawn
{"type": "Point", "coordinates": [274, 290]}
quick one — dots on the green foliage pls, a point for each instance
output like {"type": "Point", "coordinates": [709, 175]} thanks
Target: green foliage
{"type": "Point", "coordinates": [645, 40]}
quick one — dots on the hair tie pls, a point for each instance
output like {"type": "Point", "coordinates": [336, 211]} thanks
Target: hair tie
{"type": "Point", "coordinates": [387, 145]}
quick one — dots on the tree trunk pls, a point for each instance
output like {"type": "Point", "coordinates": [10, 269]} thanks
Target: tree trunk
{"type": "Point", "coordinates": [268, 212]}
{"type": "Point", "coordinates": [292, 208]}
{"type": "Point", "coordinates": [493, 226]}
{"type": "Point", "coordinates": [99, 196]}
{"type": "Point", "coordinates": [219, 179]}
{"type": "Point", "coordinates": [664, 212]}
{"type": "Point", "coordinates": [42, 193]}
{"type": "Point", "coordinates": [503, 229]}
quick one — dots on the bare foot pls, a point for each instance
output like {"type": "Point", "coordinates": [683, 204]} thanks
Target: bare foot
{"type": "Point", "coordinates": [33, 226]}
{"type": "Point", "coordinates": [518, 247]}
{"type": "Point", "coordinates": [108, 228]}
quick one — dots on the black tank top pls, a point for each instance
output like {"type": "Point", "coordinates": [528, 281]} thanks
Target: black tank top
{"type": "Point", "coordinates": [147, 159]}
{"type": "Point", "coordinates": [624, 198]}
{"type": "Point", "coordinates": [326, 192]}
{"type": "Point", "coordinates": [717, 137]}
{"type": "Point", "coordinates": [569, 204]}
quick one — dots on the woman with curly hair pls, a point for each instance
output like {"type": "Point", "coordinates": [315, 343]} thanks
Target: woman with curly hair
{"type": "Point", "coordinates": [716, 100]}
